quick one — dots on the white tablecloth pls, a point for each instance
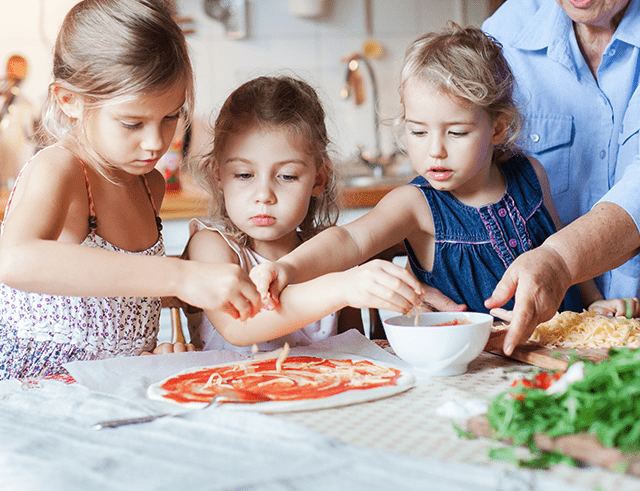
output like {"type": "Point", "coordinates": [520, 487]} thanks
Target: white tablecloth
{"type": "Point", "coordinates": [47, 443]}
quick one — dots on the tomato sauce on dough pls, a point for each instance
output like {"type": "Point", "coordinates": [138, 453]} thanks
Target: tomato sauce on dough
{"type": "Point", "coordinates": [301, 377]}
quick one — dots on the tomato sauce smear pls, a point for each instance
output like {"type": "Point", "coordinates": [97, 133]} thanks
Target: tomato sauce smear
{"type": "Point", "coordinates": [301, 377]}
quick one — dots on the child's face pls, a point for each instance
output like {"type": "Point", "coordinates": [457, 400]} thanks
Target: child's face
{"type": "Point", "coordinates": [133, 135]}
{"type": "Point", "coordinates": [449, 142]}
{"type": "Point", "coordinates": [267, 181]}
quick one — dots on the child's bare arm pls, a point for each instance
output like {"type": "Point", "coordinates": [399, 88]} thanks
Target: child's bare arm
{"type": "Point", "coordinates": [376, 284]}
{"type": "Point", "coordinates": [339, 248]}
{"type": "Point", "coordinates": [40, 251]}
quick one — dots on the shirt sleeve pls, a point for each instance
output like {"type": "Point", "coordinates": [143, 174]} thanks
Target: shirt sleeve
{"type": "Point", "coordinates": [625, 192]}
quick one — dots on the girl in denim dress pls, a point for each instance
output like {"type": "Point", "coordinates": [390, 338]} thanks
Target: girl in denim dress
{"type": "Point", "coordinates": [478, 202]}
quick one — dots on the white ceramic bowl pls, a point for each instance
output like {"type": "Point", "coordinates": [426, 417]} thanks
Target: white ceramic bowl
{"type": "Point", "coordinates": [427, 345]}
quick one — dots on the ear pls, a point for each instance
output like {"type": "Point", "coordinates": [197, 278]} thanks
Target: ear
{"type": "Point", "coordinates": [215, 169]}
{"type": "Point", "coordinates": [500, 128]}
{"type": "Point", "coordinates": [70, 103]}
{"type": "Point", "coordinates": [321, 181]}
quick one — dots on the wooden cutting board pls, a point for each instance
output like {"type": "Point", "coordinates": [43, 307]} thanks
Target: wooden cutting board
{"type": "Point", "coordinates": [551, 358]}
{"type": "Point", "coordinates": [548, 358]}
{"type": "Point", "coordinates": [583, 447]}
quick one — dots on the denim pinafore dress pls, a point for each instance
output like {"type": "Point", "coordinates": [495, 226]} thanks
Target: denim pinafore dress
{"type": "Point", "coordinates": [475, 246]}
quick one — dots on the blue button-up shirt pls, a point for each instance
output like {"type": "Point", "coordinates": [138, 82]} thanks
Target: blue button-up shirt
{"type": "Point", "coordinates": [585, 132]}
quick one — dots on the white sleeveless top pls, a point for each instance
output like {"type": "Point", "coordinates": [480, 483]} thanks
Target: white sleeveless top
{"type": "Point", "coordinates": [204, 334]}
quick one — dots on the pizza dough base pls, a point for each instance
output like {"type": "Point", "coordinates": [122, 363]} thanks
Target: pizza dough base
{"type": "Point", "coordinates": [356, 396]}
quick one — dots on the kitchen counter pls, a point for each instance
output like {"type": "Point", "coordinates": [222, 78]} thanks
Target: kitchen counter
{"type": "Point", "coordinates": [192, 202]}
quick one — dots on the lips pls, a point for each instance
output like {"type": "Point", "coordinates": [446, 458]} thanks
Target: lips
{"type": "Point", "coordinates": [580, 4]}
{"type": "Point", "coordinates": [262, 220]}
{"type": "Point", "coordinates": [439, 173]}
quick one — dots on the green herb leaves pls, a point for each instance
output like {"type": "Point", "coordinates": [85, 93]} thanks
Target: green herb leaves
{"type": "Point", "coordinates": [606, 403]}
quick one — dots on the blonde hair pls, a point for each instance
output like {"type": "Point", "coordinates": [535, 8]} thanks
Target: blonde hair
{"type": "Point", "coordinates": [110, 50]}
{"type": "Point", "coordinates": [272, 102]}
{"type": "Point", "coordinates": [468, 64]}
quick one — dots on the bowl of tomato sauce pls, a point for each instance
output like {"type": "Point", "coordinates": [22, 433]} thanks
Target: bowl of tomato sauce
{"type": "Point", "coordinates": [443, 343]}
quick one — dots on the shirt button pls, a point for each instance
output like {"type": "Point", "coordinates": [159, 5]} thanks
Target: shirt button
{"type": "Point", "coordinates": [535, 138]}
{"type": "Point", "coordinates": [603, 154]}
{"type": "Point", "coordinates": [513, 243]}
{"type": "Point", "coordinates": [612, 52]}
{"type": "Point", "coordinates": [502, 212]}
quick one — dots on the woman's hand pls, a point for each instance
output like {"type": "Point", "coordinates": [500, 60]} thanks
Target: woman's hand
{"type": "Point", "coordinates": [539, 280]}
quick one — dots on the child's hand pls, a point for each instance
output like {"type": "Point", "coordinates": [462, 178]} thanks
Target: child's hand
{"type": "Point", "coordinates": [434, 300]}
{"type": "Point", "coordinates": [270, 279]}
{"type": "Point", "coordinates": [222, 287]}
{"type": "Point", "coordinates": [628, 307]}
{"type": "Point", "coordinates": [165, 348]}
{"type": "Point", "coordinates": [382, 285]}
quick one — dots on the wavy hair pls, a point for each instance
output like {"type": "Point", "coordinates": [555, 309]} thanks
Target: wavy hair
{"type": "Point", "coordinates": [468, 64]}
{"type": "Point", "coordinates": [114, 50]}
{"type": "Point", "coordinates": [271, 102]}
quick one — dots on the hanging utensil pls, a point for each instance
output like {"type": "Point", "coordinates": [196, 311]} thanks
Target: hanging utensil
{"type": "Point", "coordinates": [356, 82]}
{"type": "Point", "coordinates": [372, 48]}
{"type": "Point", "coordinates": [16, 72]}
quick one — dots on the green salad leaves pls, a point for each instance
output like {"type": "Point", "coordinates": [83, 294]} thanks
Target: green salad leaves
{"type": "Point", "coordinates": [605, 403]}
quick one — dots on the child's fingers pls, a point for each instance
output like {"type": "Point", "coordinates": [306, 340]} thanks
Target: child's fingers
{"type": "Point", "coordinates": [246, 308]}
{"type": "Point", "coordinates": [262, 276]}
{"type": "Point", "coordinates": [400, 273]}
{"type": "Point", "coordinates": [631, 307]}
{"type": "Point", "coordinates": [163, 349]}
{"type": "Point", "coordinates": [635, 309]}
{"type": "Point", "coordinates": [502, 314]}
{"type": "Point", "coordinates": [602, 310]}
{"type": "Point", "coordinates": [439, 301]}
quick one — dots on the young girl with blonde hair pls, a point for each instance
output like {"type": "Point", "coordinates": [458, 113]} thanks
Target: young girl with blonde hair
{"type": "Point", "coordinates": [80, 266]}
{"type": "Point", "coordinates": [478, 202]}
{"type": "Point", "coordinates": [273, 187]}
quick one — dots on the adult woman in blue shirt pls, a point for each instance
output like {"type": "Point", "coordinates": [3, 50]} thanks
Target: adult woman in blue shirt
{"type": "Point", "coordinates": [577, 63]}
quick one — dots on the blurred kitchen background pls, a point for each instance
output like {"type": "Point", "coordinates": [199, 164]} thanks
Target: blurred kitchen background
{"type": "Point", "coordinates": [349, 50]}
{"type": "Point", "coordinates": [234, 40]}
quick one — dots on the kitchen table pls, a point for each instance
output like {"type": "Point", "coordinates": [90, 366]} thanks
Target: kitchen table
{"type": "Point", "coordinates": [403, 442]}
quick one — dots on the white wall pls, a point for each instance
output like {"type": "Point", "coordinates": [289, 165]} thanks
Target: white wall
{"type": "Point", "coordinates": [277, 42]}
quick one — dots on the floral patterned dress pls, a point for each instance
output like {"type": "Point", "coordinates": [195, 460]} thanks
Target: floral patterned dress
{"type": "Point", "coordinates": [38, 333]}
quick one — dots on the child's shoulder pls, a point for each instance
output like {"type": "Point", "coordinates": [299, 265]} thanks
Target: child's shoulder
{"type": "Point", "coordinates": [53, 166]}
{"type": "Point", "coordinates": [408, 195]}
{"type": "Point", "coordinates": [207, 242]}
{"type": "Point", "coordinates": [55, 158]}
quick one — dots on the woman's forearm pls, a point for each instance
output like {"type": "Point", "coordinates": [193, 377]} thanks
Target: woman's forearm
{"type": "Point", "coordinates": [597, 242]}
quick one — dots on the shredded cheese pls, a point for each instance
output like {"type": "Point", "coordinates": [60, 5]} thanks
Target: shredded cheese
{"type": "Point", "coordinates": [588, 330]}
{"type": "Point", "coordinates": [283, 356]}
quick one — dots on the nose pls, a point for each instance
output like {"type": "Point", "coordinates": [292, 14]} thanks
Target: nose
{"type": "Point", "coordinates": [153, 140]}
{"type": "Point", "coordinates": [437, 148]}
{"type": "Point", "coordinates": [264, 192]}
